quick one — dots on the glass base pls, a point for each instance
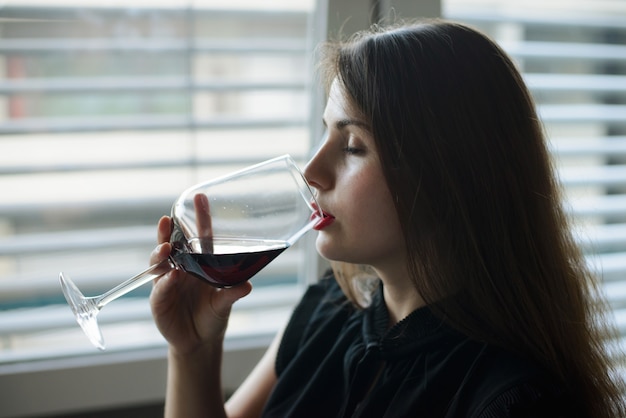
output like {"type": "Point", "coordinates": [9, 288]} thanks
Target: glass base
{"type": "Point", "coordinates": [85, 311]}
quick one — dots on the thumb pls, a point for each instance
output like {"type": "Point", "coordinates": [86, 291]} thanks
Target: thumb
{"type": "Point", "coordinates": [228, 296]}
{"type": "Point", "coordinates": [233, 294]}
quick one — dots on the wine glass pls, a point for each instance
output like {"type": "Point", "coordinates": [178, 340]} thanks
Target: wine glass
{"type": "Point", "coordinates": [224, 232]}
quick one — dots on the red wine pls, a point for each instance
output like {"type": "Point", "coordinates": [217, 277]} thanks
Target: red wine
{"type": "Point", "coordinates": [225, 270]}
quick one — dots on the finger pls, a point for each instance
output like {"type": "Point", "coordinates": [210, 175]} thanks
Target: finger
{"type": "Point", "coordinates": [162, 289]}
{"type": "Point", "coordinates": [228, 296]}
{"type": "Point", "coordinates": [164, 229]}
{"type": "Point", "coordinates": [237, 292]}
{"type": "Point", "coordinates": [203, 215]}
{"type": "Point", "coordinates": [160, 253]}
{"type": "Point", "coordinates": [203, 222]}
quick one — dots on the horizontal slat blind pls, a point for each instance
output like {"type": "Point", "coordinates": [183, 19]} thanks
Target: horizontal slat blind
{"type": "Point", "coordinates": [106, 115]}
{"type": "Point", "coordinates": [575, 66]}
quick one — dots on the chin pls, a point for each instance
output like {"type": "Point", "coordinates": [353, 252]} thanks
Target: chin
{"type": "Point", "coordinates": [325, 248]}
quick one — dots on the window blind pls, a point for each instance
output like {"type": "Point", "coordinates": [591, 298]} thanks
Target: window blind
{"type": "Point", "coordinates": [575, 66]}
{"type": "Point", "coordinates": [107, 113]}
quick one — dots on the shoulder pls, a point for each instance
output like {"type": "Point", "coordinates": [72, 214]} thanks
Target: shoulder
{"type": "Point", "coordinates": [503, 385]}
{"type": "Point", "coordinates": [322, 308]}
{"type": "Point", "coordinates": [320, 299]}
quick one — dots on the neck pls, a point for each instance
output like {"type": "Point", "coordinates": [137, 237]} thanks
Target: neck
{"type": "Point", "coordinates": [401, 296]}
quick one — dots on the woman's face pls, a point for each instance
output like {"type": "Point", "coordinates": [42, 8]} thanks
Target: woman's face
{"type": "Point", "coordinates": [350, 186]}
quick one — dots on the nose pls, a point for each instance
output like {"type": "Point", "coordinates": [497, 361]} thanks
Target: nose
{"type": "Point", "coordinates": [316, 171]}
{"type": "Point", "coordinates": [310, 171]}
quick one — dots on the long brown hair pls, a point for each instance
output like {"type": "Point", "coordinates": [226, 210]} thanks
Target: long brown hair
{"type": "Point", "coordinates": [465, 156]}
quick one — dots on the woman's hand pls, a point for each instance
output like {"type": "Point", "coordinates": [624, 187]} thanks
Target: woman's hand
{"type": "Point", "coordinates": [189, 313]}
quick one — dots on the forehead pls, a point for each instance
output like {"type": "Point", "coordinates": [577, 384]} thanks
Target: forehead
{"type": "Point", "coordinates": [339, 106]}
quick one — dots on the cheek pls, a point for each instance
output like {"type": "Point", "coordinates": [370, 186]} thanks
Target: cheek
{"type": "Point", "coordinates": [376, 207]}
{"type": "Point", "coordinates": [382, 222]}
{"type": "Point", "coordinates": [368, 231]}
{"type": "Point", "coordinates": [379, 219]}
{"type": "Point", "coordinates": [365, 203]}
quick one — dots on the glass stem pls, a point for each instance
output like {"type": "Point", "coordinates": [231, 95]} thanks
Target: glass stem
{"type": "Point", "coordinates": [151, 273]}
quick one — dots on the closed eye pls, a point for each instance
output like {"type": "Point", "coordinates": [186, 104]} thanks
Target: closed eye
{"type": "Point", "coordinates": [353, 150]}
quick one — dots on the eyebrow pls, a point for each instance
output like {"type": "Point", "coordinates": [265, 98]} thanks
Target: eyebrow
{"type": "Point", "coordinates": [342, 123]}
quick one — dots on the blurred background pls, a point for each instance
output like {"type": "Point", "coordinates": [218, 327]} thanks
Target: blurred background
{"type": "Point", "coordinates": [108, 111]}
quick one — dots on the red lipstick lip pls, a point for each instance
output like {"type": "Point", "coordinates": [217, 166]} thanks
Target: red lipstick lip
{"type": "Point", "coordinates": [323, 221]}
{"type": "Point", "coordinates": [324, 218]}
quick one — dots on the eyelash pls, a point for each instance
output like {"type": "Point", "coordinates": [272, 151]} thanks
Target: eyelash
{"type": "Point", "coordinates": [352, 150]}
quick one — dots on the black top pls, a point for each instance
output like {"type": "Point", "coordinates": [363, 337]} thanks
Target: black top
{"type": "Point", "coordinates": [339, 361]}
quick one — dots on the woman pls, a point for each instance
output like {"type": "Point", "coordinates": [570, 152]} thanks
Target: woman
{"type": "Point", "coordinates": [475, 300]}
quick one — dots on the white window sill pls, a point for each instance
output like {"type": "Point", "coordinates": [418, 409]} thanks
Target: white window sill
{"type": "Point", "coordinates": [53, 378]}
